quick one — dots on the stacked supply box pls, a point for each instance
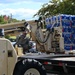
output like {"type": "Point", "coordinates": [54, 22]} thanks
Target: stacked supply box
{"type": "Point", "coordinates": [67, 23]}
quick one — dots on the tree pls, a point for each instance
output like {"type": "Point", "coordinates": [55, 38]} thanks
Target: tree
{"type": "Point", "coordinates": [54, 7]}
{"type": "Point", "coordinates": [6, 19]}
{"type": "Point", "coordinates": [2, 20]}
{"type": "Point", "coordinates": [15, 20]}
{"type": "Point", "coordinates": [67, 7]}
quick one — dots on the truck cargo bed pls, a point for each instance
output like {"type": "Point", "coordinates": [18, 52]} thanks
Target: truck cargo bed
{"type": "Point", "coordinates": [50, 57]}
{"type": "Point", "coordinates": [54, 63]}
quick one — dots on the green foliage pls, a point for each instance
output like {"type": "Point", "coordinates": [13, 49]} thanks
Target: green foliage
{"type": "Point", "coordinates": [2, 20]}
{"type": "Point", "coordinates": [54, 7]}
{"type": "Point", "coordinates": [23, 20]}
{"type": "Point", "coordinates": [15, 20]}
{"type": "Point", "coordinates": [7, 36]}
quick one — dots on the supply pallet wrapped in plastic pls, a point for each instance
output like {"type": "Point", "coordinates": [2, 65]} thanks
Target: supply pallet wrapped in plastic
{"type": "Point", "coordinates": [67, 22]}
{"type": "Point", "coordinates": [68, 27]}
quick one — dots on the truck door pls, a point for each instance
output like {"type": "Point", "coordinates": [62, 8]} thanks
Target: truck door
{"type": "Point", "coordinates": [3, 57]}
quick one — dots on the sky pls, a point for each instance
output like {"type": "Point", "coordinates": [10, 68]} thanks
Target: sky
{"type": "Point", "coordinates": [21, 9]}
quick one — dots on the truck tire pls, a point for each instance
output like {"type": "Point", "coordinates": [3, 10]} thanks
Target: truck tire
{"type": "Point", "coordinates": [29, 67]}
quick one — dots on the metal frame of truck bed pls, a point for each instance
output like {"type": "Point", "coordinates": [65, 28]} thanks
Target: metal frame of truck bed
{"type": "Point", "coordinates": [54, 63]}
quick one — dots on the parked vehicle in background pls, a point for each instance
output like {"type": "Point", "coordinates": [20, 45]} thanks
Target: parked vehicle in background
{"type": "Point", "coordinates": [33, 48]}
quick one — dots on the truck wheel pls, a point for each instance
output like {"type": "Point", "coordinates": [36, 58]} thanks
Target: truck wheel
{"type": "Point", "coordinates": [30, 67]}
{"type": "Point", "coordinates": [32, 71]}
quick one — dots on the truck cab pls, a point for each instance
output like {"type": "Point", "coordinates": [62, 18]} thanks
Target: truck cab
{"type": "Point", "coordinates": [8, 57]}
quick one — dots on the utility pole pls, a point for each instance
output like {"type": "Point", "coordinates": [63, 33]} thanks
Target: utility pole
{"type": "Point", "coordinates": [10, 18]}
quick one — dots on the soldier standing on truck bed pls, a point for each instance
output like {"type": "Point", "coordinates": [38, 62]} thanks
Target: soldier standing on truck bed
{"type": "Point", "coordinates": [23, 41]}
